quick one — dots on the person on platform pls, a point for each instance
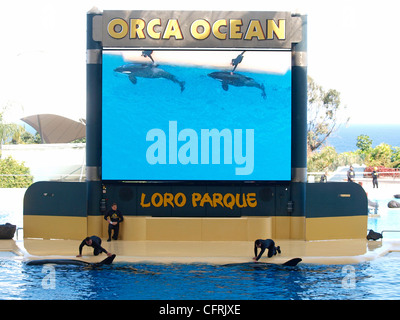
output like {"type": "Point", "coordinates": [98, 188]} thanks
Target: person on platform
{"type": "Point", "coordinates": [114, 218]}
{"type": "Point", "coordinates": [95, 243]}
{"type": "Point", "coordinates": [324, 177]}
{"type": "Point", "coordinates": [351, 175]}
{"type": "Point", "coordinates": [263, 245]}
{"type": "Point", "coordinates": [375, 176]}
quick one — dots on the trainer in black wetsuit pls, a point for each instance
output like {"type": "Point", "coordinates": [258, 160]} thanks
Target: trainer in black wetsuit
{"type": "Point", "coordinates": [114, 217]}
{"type": "Point", "coordinates": [375, 177]}
{"type": "Point", "coordinates": [350, 175]}
{"type": "Point", "coordinates": [95, 242]}
{"type": "Point", "coordinates": [263, 245]}
{"type": "Point", "coordinates": [235, 62]}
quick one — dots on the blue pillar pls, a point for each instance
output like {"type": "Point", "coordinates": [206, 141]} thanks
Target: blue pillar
{"type": "Point", "coordinates": [299, 122]}
{"type": "Point", "coordinates": [93, 116]}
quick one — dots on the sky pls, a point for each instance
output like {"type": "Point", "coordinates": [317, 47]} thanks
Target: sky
{"type": "Point", "coordinates": [353, 48]}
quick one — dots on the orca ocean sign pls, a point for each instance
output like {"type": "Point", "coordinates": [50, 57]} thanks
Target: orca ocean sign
{"type": "Point", "coordinates": [197, 29]}
{"type": "Point", "coordinates": [196, 95]}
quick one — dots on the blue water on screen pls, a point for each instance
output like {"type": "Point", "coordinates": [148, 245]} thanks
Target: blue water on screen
{"type": "Point", "coordinates": [130, 111]}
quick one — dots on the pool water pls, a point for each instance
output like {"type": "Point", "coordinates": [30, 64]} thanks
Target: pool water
{"type": "Point", "coordinates": [388, 220]}
{"type": "Point", "coordinates": [376, 279]}
{"type": "Point", "coordinates": [125, 281]}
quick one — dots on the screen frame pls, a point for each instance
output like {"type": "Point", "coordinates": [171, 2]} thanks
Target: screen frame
{"type": "Point", "coordinates": [208, 181]}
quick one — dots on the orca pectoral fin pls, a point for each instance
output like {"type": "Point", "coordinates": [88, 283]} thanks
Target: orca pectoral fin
{"type": "Point", "coordinates": [292, 262]}
{"type": "Point", "coordinates": [182, 85]}
{"type": "Point", "coordinates": [132, 78]}
{"type": "Point", "coordinates": [263, 94]}
{"type": "Point", "coordinates": [225, 86]}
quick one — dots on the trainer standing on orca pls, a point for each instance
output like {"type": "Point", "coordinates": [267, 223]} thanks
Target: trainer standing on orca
{"type": "Point", "coordinates": [235, 62]}
{"type": "Point", "coordinates": [263, 245]}
{"type": "Point", "coordinates": [114, 218]}
{"type": "Point", "coordinates": [149, 71]}
{"type": "Point", "coordinates": [236, 79]}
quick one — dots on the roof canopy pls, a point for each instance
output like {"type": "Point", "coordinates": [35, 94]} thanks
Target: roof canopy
{"type": "Point", "coordinates": [56, 129]}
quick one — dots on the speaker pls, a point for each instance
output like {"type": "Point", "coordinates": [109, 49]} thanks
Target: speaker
{"type": "Point", "coordinates": [126, 194]}
{"type": "Point", "coordinates": [266, 194]}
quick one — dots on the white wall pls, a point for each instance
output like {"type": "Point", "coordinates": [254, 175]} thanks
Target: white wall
{"type": "Point", "coordinates": [65, 161]}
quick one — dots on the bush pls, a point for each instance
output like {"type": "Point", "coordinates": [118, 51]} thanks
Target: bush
{"type": "Point", "coordinates": [380, 156]}
{"type": "Point", "coordinates": [322, 160]}
{"type": "Point", "coordinates": [396, 157]}
{"type": "Point", "coordinates": [14, 174]}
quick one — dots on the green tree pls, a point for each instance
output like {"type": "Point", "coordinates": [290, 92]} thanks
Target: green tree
{"type": "Point", "coordinates": [323, 116]}
{"type": "Point", "coordinates": [14, 174]}
{"type": "Point", "coordinates": [323, 160]}
{"type": "Point", "coordinates": [349, 158]}
{"type": "Point", "coordinates": [29, 138]}
{"type": "Point", "coordinates": [396, 157]}
{"type": "Point", "coordinates": [381, 155]}
{"type": "Point", "coordinates": [364, 143]}
{"type": "Point", "coordinates": [8, 130]}
{"type": "Point", "coordinates": [81, 140]}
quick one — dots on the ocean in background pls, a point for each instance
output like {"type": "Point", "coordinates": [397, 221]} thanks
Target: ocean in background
{"type": "Point", "coordinates": [345, 139]}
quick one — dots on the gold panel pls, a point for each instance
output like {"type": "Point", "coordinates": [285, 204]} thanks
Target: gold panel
{"type": "Point", "coordinates": [329, 228]}
{"type": "Point", "coordinates": [55, 227]}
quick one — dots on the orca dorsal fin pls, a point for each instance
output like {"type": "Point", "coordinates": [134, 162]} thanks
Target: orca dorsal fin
{"type": "Point", "coordinates": [108, 260]}
{"type": "Point", "coordinates": [292, 262]}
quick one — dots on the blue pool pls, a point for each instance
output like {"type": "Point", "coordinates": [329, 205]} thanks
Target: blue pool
{"type": "Point", "coordinates": [376, 279]}
{"type": "Point", "coordinates": [369, 280]}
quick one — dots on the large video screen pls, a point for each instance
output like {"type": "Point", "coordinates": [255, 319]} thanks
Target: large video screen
{"type": "Point", "coordinates": [177, 115]}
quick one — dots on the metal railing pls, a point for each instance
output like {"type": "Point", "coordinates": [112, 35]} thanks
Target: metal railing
{"type": "Point", "coordinates": [16, 231]}
{"type": "Point", "coordinates": [382, 232]}
{"type": "Point", "coordinates": [359, 176]}
{"type": "Point", "coordinates": [389, 231]}
{"type": "Point", "coordinates": [53, 176]}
